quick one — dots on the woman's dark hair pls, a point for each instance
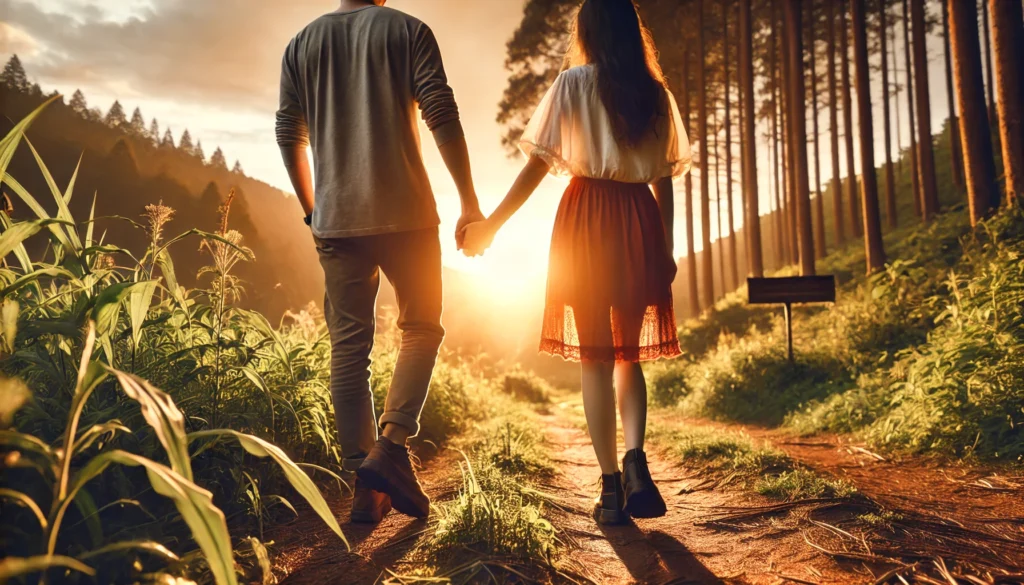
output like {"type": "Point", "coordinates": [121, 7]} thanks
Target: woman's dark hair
{"type": "Point", "coordinates": [610, 35]}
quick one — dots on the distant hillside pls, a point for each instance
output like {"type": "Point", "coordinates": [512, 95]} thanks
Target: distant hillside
{"type": "Point", "coordinates": [126, 173]}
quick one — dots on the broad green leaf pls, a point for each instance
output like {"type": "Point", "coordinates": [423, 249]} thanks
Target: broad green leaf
{"type": "Point", "coordinates": [63, 212]}
{"type": "Point", "coordinates": [149, 546]}
{"type": "Point", "coordinates": [91, 225]}
{"type": "Point", "coordinates": [108, 307]}
{"type": "Point", "coordinates": [90, 435]}
{"type": "Point", "coordinates": [27, 443]}
{"type": "Point", "coordinates": [298, 478]}
{"type": "Point", "coordinates": [24, 500]}
{"type": "Point", "coordinates": [139, 301]}
{"type": "Point", "coordinates": [9, 143]}
{"type": "Point", "coordinates": [163, 416]}
{"type": "Point", "coordinates": [19, 251]}
{"type": "Point", "coordinates": [8, 326]}
{"type": "Point", "coordinates": [13, 394]}
{"type": "Point", "coordinates": [35, 276]}
{"type": "Point", "coordinates": [195, 504]}
{"type": "Point", "coordinates": [15, 567]}
{"type": "Point", "coordinates": [30, 202]}
{"type": "Point", "coordinates": [13, 236]}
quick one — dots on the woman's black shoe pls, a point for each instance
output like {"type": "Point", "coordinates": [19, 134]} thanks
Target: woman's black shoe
{"type": "Point", "coordinates": [609, 507]}
{"type": "Point", "coordinates": [642, 497]}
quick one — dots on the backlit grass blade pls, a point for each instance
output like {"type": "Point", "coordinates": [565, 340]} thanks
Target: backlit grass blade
{"type": "Point", "coordinates": [12, 567]}
{"type": "Point", "coordinates": [298, 478]}
{"type": "Point", "coordinates": [195, 504]}
{"type": "Point", "coordinates": [163, 416]}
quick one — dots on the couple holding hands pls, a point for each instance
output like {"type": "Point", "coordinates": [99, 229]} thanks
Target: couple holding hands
{"type": "Point", "coordinates": [352, 83]}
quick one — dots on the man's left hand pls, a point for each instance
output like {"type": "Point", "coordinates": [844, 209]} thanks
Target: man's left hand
{"type": "Point", "coordinates": [467, 218]}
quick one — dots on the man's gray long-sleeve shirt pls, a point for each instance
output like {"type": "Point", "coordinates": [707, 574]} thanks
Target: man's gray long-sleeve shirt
{"type": "Point", "coordinates": [350, 86]}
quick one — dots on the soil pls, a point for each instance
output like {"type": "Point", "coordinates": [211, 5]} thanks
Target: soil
{"type": "Point", "coordinates": [971, 517]}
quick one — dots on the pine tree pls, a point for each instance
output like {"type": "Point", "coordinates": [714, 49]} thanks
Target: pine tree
{"type": "Point", "coordinates": [137, 127]}
{"type": "Point", "coordinates": [94, 115]}
{"type": "Point", "coordinates": [873, 248]}
{"type": "Point", "coordinates": [218, 161]}
{"type": "Point", "coordinates": [797, 118]}
{"type": "Point", "coordinates": [890, 177]}
{"type": "Point", "coordinates": [78, 104]}
{"type": "Point", "coordinates": [707, 269]}
{"type": "Point", "coordinates": [925, 150]}
{"type": "Point", "coordinates": [1008, 39]}
{"type": "Point", "coordinates": [752, 215]}
{"type": "Point", "coordinates": [168, 141]}
{"type": "Point", "coordinates": [185, 144]}
{"type": "Point", "coordinates": [238, 166]}
{"type": "Point", "coordinates": [838, 222]}
{"type": "Point", "coordinates": [154, 133]}
{"type": "Point", "coordinates": [198, 151]}
{"type": "Point", "coordinates": [14, 76]}
{"type": "Point", "coordinates": [975, 132]}
{"type": "Point", "coordinates": [115, 117]}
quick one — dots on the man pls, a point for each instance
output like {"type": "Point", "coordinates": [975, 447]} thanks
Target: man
{"type": "Point", "coordinates": [350, 86]}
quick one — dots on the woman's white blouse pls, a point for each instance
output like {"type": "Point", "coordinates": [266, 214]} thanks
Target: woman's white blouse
{"type": "Point", "coordinates": [572, 132]}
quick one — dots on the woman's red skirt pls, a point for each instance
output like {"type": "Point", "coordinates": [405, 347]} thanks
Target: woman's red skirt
{"type": "Point", "coordinates": [609, 292]}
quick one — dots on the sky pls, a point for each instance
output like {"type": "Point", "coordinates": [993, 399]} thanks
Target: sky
{"type": "Point", "coordinates": [213, 67]}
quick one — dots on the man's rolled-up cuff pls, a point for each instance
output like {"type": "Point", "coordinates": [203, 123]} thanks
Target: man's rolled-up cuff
{"type": "Point", "coordinates": [400, 418]}
{"type": "Point", "coordinates": [448, 132]}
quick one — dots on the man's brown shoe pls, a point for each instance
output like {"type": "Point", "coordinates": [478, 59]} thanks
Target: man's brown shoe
{"type": "Point", "coordinates": [369, 506]}
{"type": "Point", "coordinates": [387, 469]}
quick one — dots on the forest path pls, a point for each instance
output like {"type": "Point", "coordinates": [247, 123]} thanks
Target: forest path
{"type": "Point", "coordinates": [678, 548]}
{"type": "Point", "coordinates": [307, 552]}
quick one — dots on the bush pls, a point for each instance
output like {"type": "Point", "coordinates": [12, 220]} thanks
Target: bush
{"type": "Point", "coordinates": [527, 386]}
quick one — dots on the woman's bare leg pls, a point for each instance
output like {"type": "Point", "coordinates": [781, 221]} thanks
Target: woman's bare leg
{"type": "Point", "coordinates": [632, 393]}
{"type": "Point", "coordinates": [594, 329]}
{"type": "Point", "coordinates": [629, 382]}
{"type": "Point", "coordinates": [599, 406]}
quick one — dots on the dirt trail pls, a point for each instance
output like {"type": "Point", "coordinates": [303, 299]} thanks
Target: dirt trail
{"type": "Point", "coordinates": [307, 552]}
{"type": "Point", "coordinates": [675, 549]}
{"type": "Point", "coordinates": [976, 496]}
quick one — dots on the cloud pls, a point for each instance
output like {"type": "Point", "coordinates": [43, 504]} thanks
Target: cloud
{"type": "Point", "coordinates": [223, 52]}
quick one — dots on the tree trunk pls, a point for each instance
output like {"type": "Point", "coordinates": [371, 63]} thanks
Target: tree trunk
{"type": "Point", "coordinates": [1008, 36]}
{"type": "Point", "coordinates": [872, 218]}
{"type": "Point", "coordinates": [896, 99]}
{"type": "Point", "coordinates": [719, 200]}
{"type": "Point", "coordinates": [915, 174]}
{"type": "Point", "coordinates": [847, 89]}
{"type": "Point", "coordinates": [988, 63]}
{"type": "Point", "coordinates": [733, 253]}
{"type": "Point", "coordinates": [707, 270]}
{"type": "Point", "coordinates": [693, 300]}
{"type": "Point", "coordinates": [798, 136]}
{"type": "Point", "coordinates": [820, 246]}
{"type": "Point", "coordinates": [748, 135]}
{"type": "Point", "coordinates": [786, 88]}
{"type": "Point", "coordinates": [925, 150]}
{"type": "Point", "coordinates": [956, 160]}
{"type": "Point", "coordinates": [975, 132]}
{"type": "Point", "coordinates": [890, 177]}
{"type": "Point", "coordinates": [778, 132]}
{"type": "Point", "coordinates": [833, 118]}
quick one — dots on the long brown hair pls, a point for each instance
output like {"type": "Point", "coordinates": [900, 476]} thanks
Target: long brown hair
{"type": "Point", "coordinates": [611, 35]}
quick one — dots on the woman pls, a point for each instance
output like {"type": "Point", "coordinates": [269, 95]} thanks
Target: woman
{"type": "Point", "coordinates": [610, 123]}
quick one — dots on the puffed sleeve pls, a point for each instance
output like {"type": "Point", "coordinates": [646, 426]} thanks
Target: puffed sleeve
{"type": "Point", "coordinates": [678, 156]}
{"type": "Point", "coordinates": [549, 132]}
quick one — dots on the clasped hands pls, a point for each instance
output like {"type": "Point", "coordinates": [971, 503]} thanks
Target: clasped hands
{"type": "Point", "coordinates": [474, 233]}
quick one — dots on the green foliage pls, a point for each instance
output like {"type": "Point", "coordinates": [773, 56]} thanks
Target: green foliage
{"type": "Point", "coordinates": [492, 518]}
{"type": "Point", "coordinates": [734, 457]}
{"type": "Point", "coordinates": [527, 386]}
{"type": "Point", "coordinates": [98, 470]}
{"type": "Point", "coordinates": [801, 483]}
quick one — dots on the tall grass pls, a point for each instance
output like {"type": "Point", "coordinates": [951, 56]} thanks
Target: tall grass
{"type": "Point", "coordinates": [107, 475]}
